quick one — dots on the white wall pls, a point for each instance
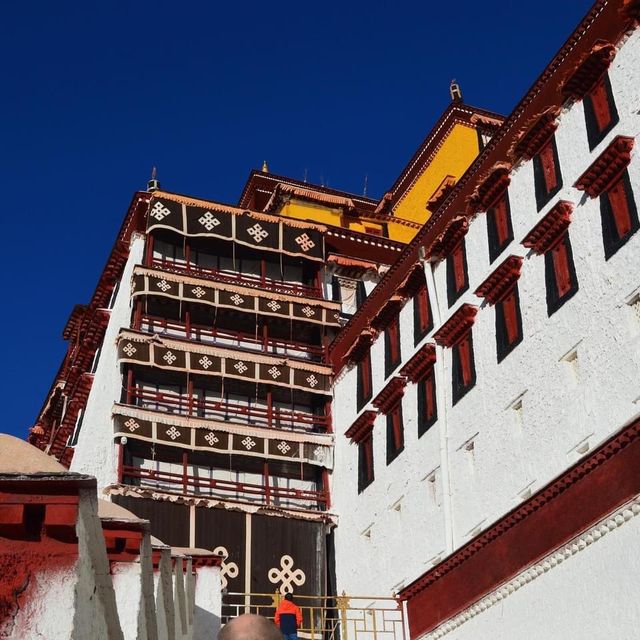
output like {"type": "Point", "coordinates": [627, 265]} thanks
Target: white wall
{"type": "Point", "coordinates": [95, 452]}
{"type": "Point", "coordinates": [565, 406]}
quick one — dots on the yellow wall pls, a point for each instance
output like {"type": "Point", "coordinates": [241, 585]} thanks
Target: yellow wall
{"type": "Point", "coordinates": [453, 158]}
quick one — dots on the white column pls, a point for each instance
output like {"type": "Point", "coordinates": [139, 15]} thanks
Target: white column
{"type": "Point", "coordinates": [208, 603]}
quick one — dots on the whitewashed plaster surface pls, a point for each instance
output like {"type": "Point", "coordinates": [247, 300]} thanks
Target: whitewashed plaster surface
{"type": "Point", "coordinates": [95, 452]}
{"type": "Point", "coordinates": [495, 452]}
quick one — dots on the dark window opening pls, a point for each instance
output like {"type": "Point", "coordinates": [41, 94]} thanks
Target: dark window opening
{"type": "Point", "coordinates": [364, 387]}
{"type": "Point", "coordinates": [395, 433]}
{"type": "Point", "coordinates": [619, 215]}
{"type": "Point", "coordinates": [361, 294]}
{"type": "Point", "coordinates": [365, 463]}
{"type": "Point", "coordinates": [560, 274]}
{"type": "Point", "coordinates": [508, 324]}
{"type": "Point", "coordinates": [600, 111]}
{"type": "Point", "coordinates": [546, 173]}
{"type": "Point", "coordinates": [422, 318]}
{"type": "Point", "coordinates": [457, 278]}
{"type": "Point", "coordinates": [464, 370]}
{"type": "Point", "coordinates": [392, 354]}
{"type": "Point", "coordinates": [427, 405]}
{"type": "Point", "coordinates": [499, 229]}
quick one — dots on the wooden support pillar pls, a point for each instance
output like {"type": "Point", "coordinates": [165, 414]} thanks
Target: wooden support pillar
{"type": "Point", "coordinates": [267, 489]}
{"type": "Point", "coordinates": [325, 488]}
{"type": "Point", "coordinates": [269, 408]}
{"type": "Point", "coordinates": [137, 315]}
{"type": "Point", "coordinates": [148, 258]}
{"type": "Point", "coordinates": [263, 272]}
{"type": "Point", "coordinates": [120, 461]}
{"type": "Point", "coordinates": [187, 324]}
{"type": "Point", "coordinates": [190, 397]}
{"type": "Point", "coordinates": [328, 415]}
{"type": "Point", "coordinates": [187, 254]}
{"type": "Point", "coordinates": [185, 469]}
{"type": "Point", "coordinates": [129, 398]}
{"type": "Point", "coordinates": [265, 337]}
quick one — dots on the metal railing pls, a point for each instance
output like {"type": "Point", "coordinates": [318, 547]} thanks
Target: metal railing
{"type": "Point", "coordinates": [241, 279]}
{"type": "Point", "coordinates": [186, 405]}
{"type": "Point", "coordinates": [213, 335]}
{"type": "Point", "coordinates": [328, 617]}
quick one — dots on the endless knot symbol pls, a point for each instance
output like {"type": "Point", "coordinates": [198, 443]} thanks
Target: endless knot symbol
{"type": "Point", "coordinates": [205, 362]}
{"type": "Point", "coordinates": [274, 372]}
{"type": "Point", "coordinates": [131, 424]}
{"type": "Point", "coordinates": [312, 380]}
{"type": "Point", "coordinates": [227, 568]}
{"type": "Point", "coordinates": [305, 242]}
{"type": "Point", "coordinates": [198, 292]}
{"type": "Point", "coordinates": [129, 349]}
{"type": "Point", "coordinates": [211, 438]}
{"type": "Point", "coordinates": [308, 311]}
{"type": "Point", "coordinates": [173, 433]}
{"type": "Point", "coordinates": [284, 448]}
{"type": "Point", "coordinates": [159, 211]}
{"type": "Point", "coordinates": [257, 233]}
{"type": "Point", "coordinates": [249, 443]}
{"type": "Point", "coordinates": [240, 367]}
{"type": "Point", "coordinates": [318, 453]}
{"type": "Point", "coordinates": [169, 358]}
{"type": "Point", "coordinates": [208, 221]}
{"type": "Point", "coordinates": [236, 299]}
{"type": "Point", "coordinates": [164, 285]}
{"type": "Point", "coordinates": [274, 306]}
{"type": "Point", "coordinates": [286, 576]}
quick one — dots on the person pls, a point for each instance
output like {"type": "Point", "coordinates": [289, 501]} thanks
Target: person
{"type": "Point", "coordinates": [288, 618]}
{"type": "Point", "coordinates": [249, 626]}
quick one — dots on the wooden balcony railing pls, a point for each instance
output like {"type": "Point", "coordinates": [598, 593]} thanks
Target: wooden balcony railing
{"type": "Point", "coordinates": [241, 279]}
{"type": "Point", "coordinates": [190, 485]}
{"type": "Point", "coordinates": [222, 410]}
{"type": "Point", "coordinates": [225, 337]}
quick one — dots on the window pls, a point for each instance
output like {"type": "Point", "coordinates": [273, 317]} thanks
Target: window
{"type": "Point", "coordinates": [546, 173]}
{"type": "Point", "coordinates": [600, 111]}
{"type": "Point", "coordinates": [365, 462]}
{"type": "Point", "coordinates": [336, 293]}
{"type": "Point", "coordinates": [464, 371]}
{"type": "Point", "coordinates": [619, 215]}
{"type": "Point", "coordinates": [364, 387]}
{"type": "Point", "coordinates": [395, 433]}
{"type": "Point", "coordinates": [392, 354]}
{"type": "Point", "coordinates": [427, 407]}
{"type": "Point", "coordinates": [508, 323]}
{"type": "Point", "coordinates": [499, 230]}
{"type": "Point", "coordinates": [422, 320]}
{"type": "Point", "coordinates": [361, 294]}
{"type": "Point", "coordinates": [457, 280]}
{"type": "Point", "coordinates": [560, 274]}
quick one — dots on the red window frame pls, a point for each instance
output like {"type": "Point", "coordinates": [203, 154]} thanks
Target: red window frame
{"type": "Point", "coordinates": [546, 173]}
{"type": "Point", "coordinates": [366, 473]}
{"type": "Point", "coordinates": [463, 369]}
{"type": "Point", "coordinates": [395, 433]}
{"type": "Point", "coordinates": [619, 215]}
{"type": "Point", "coordinates": [393, 353]}
{"type": "Point", "coordinates": [422, 317]}
{"type": "Point", "coordinates": [499, 229]}
{"type": "Point", "coordinates": [508, 323]}
{"type": "Point", "coordinates": [427, 403]}
{"type": "Point", "coordinates": [560, 274]}
{"type": "Point", "coordinates": [600, 111]}
{"type": "Point", "coordinates": [457, 277]}
{"type": "Point", "coordinates": [364, 389]}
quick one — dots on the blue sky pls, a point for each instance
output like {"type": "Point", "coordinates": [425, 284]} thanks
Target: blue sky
{"type": "Point", "coordinates": [94, 94]}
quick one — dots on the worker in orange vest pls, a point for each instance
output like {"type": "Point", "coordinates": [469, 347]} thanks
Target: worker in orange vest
{"type": "Point", "coordinates": [288, 618]}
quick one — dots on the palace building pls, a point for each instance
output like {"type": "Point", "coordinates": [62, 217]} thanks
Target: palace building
{"type": "Point", "coordinates": [433, 395]}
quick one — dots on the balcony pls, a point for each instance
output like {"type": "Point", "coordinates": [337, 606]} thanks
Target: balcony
{"type": "Point", "coordinates": [227, 411]}
{"type": "Point", "coordinates": [241, 279]}
{"type": "Point", "coordinates": [228, 338]}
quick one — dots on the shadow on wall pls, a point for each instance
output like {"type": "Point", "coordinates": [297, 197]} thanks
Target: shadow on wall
{"type": "Point", "coordinates": [205, 623]}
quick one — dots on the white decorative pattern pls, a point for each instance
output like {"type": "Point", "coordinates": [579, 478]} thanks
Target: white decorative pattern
{"type": "Point", "coordinates": [284, 448]}
{"type": "Point", "coordinates": [163, 285]}
{"type": "Point", "coordinates": [205, 362]}
{"type": "Point", "coordinates": [257, 233]}
{"type": "Point", "coordinates": [198, 292]}
{"type": "Point", "coordinates": [274, 306]}
{"type": "Point", "coordinates": [240, 367]}
{"type": "Point", "coordinates": [249, 443]}
{"type": "Point", "coordinates": [212, 439]}
{"type": "Point", "coordinates": [581, 542]}
{"type": "Point", "coordinates": [308, 311]}
{"type": "Point", "coordinates": [159, 211]}
{"type": "Point", "coordinates": [285, 575]}
{"type": "Point", "coordinates": [274, 372]}
{"type": "Point", "coordinates": [169, 358]}
{"type": "Point", "coordinates": [129, 349]}
{"type": "Point", "coordinates": [319, 454]}
{"type": "Point", "coordinates": [226, 568]}
{"type": "Point", "coordinates": [313, 381]}
{"type": "Point", "coordinates": [236, 299]}
{"type": "Point", "coordinates": [208, 221]}
{"type": "Point", "coordinates": [173, 433]}
{"type": "Point", "coordinates": [132, 425]}
{"type": "Point", "coordinates": [305, 242]}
